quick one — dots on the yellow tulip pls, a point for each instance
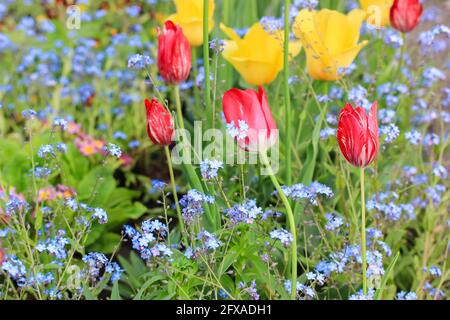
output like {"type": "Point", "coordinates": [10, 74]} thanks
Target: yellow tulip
{"type": "Point", "coordinates": [258, 57]}
{"type": "Point", "coordinates": [330, 39]}
{"type": "Point", "coordinates": [377, 11]}
{"type": "Point", "coordinates": [189, 16]}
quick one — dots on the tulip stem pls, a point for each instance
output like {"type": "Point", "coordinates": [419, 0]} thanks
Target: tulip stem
{"type": "Point", "coordinates": [290, 216]}
{"type": "Point", "coordinates": [402, 57]}
{"type": "Point", "coordinates": [206, 62]}
{"type": "Point", "coordinates": [363, 231]}
{"type": "Point", "coordinates": [178, 106]}
{"type": "Point", "coordinates": [287, 97]}
{"type": "Point", "coordinates": [175, 195]}
{"type": "Point", "coordinates": [195, 68]}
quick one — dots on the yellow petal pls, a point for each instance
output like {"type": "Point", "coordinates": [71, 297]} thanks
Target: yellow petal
{"type": "Point", "coordinates": [345, 59]}
{"type": "Point", "coordinates": [258, 57]}
{"type": "Point", "coordinates": [330, 40]}
{"type": "Point", "coordinates": [193, 9]}
{"type": "Point", "coordinates": [255, 72]}
{"type": "Point", "coordinates": [230, 33]}
{"type": "Point", "coordinates": [354, 22]}
{"type": "Point", "coordinates": [377, 11]}
{"type": "Point", "coordinates": [173, 18]}
{"type": "Point", "coordinates": [189, 16]}
{"type": "Point", "coordinates": [331, 27]}
{"type": "Point", "coordinates": [294, 49]}
{"type": "Point", "coordinates": [305, 28]}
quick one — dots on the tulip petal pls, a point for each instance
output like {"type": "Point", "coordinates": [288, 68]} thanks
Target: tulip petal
{"type": "Point", "coordinates": [257, 66]}
{"type": "Point", "coordinates": [330, 40]}
{"type": "Point", "coordinates": [358, 135]}
{"type": "Point", "coordinates": [355, 20]}
{"type": "Point", "coordinates": [305, 29]}
{"type": "Point", "coordinates": [294, 49]}
{"type": "Point", "coordinates": [189, 16]}
{"type": "Point", "coordinates": [253, 108]}
{"type": "Point", "coordinates": [230, 33]}
{"type": "Point", "coordinates": [345, 59]}
{"type": "Point", "coordinates": [381, 6]}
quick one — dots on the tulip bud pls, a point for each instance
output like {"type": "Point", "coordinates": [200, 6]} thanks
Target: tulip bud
{"type": "Point", "coordinates": [174, 54]}
{"type": "Point", "coordinates": [357, 135]}
{"type": "Point", "coordinates": [160, 126]}
{"type": "Point", "coordinates": [249, 119]}
{"type": "Point", "coordinates": [405, 14]}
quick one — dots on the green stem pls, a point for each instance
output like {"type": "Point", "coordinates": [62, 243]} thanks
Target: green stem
{"type": "Point", "coordinates": [196, 91]}
{"type": "Point", "coordinates": [178, 106]}
{"type": "Point", "coordinates": [244, 196]}
{"type": "Point", "coordinates": [290, 216]}
{"type": "Point", "coordinates": [189, 169]}
{"type": "Point", "coordinates": [175, 196]}
{"type": "Point", "coordinates": [363, 231]}
{"type": "Point", "coordinates": [402, 57]}
{"type": "Point", "coordinates": [206, 61]}
{"type": "Point", "coordinates": [287, 97]}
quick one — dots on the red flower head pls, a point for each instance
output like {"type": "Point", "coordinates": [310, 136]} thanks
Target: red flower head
{"type": "Point", "coordinates": [2, 256]}
{"type": "Point", "coordinates": [160, 127]}
{"type": "Point", "coordinates": [357, 135]}
{"type": "Point", "coordinates": [174, 54]}
{"type": "Point", "coordinates": [249, 118]}
{"type": "Point", "coordinates": [405, 14]}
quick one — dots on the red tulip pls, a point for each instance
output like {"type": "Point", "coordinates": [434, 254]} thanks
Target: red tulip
{"type": "Point", "coordinates": [357, 135]}
{"type": "Point", "coordinates": [160, 127]}
{"type": "Point", "coordinates": [405, 14]}
{"type": "Point", "coordinates": [2, 256]}
{"type": "Point", "coordinates": [249, 115]}
{"type": "Point", "coordinates": [174, 54]}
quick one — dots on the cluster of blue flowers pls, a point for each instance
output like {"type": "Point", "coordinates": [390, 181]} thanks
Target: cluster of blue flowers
{"type": "Point", "coordinates": [339, 260]}
{"type": "Point", "coordinates": [385, 203]}
{"type": "Point", "coordinates": [298, 192]}
{"type": "Point", "coordinates": [284, 236]}
{"type": "Point", "coordinates": [98, 214]}
{"type": "Point", "coordinates": [17, 271]}
{"type": "Point", "coordinates": [334, 221]}
{"type": "Point", "coordinates": [251, 290]}
{"type": "Point", "coordinates": [54, 246]}
{"type": "Point", "coordinates": [247, 212]}
{"type": "Point", "coordinates": [303, 291]}
{"type": "Point", "coordinates": [113, 150]}
{"type": "Point", "coordinates": [96, 262]}
{"type": "Point", "coordinates": [209, 168]}
{"type": "Point", "coordinates": [157, 186]}
{"type": "Point", "coordinates": [217, 45]}
{"type": "Point", "coordinates": [240, 131]}
{"type": "Point", "coordinates": [138, 61]}
{"type": "Point", "coordinates": [192, 205]}
{"type": "Point", "coordinates": [208, 242]}
{"type": "Point", "coordinates": [149, 242]}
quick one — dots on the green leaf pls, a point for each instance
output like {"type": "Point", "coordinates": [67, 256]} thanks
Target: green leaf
{"type": "Point", "coordinates": [147, 284]}
{"type": "Point", "coordinates": [131, 273]}
{"type": "Point", "coordinates": [380, 290]}
{"type": "Point", "coordinates": [97, 185]}
{"type": "Point", "coordinates": [87, 293]}
{"type": "Point", "coordinates": [226, 263]}
{"type": "Point", "coordinates": [115, 295]}
{"type": "Point", "coordinates": [100, 240]}
{"type": "Point", "coordinates": [313, 150]}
